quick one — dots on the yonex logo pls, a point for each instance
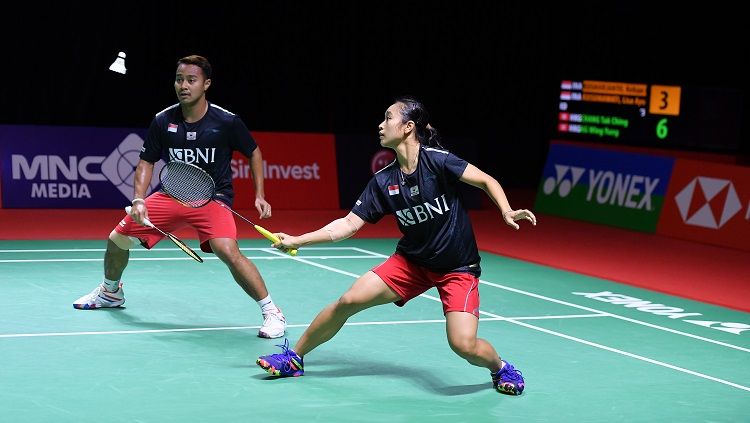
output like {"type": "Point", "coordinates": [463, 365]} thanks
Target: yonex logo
{"type": "Point", "coordinates": [605, 186]}
{"type": "Point", "coordinates": [708, 202]}
{"type": "Point", "coordinates": [663, 310]}
{"type": "Point", "coordinates": [566, 177]}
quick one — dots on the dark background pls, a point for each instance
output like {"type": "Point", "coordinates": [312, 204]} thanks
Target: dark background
{"type": "Point", "coordinates": [489, 72]}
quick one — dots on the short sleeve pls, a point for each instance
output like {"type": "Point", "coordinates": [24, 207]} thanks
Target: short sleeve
{"type": "Point", "coordinates": [371, 205]}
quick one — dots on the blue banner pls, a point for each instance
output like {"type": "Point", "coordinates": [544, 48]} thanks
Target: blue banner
{"type": "Point", "coordinates": [604, 186]}
{"type": "Point", "coordinates": [69, 167]}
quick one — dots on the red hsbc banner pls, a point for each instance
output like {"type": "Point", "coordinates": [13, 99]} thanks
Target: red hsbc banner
{"type": "Point", "coordinates": [708, 202]}
{"type": "Point", "coordinates": [299, 171]}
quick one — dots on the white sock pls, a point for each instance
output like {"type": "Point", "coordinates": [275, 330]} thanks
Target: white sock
{"type": "Point", "coordinates": [266, 304]}
{"type": "Point", "coordinates": [112, 286]}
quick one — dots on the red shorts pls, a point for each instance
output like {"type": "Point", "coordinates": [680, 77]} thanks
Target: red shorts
{"type": "Point", "coordinates": [211, 221]}
{"type": "Point", "coordinates": [458, 291]}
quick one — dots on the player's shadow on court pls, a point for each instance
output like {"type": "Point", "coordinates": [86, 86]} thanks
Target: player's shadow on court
{"type": "Point", "coordinates": [352, 367]}
{"type": "Point", "coordinates": [191, 335]}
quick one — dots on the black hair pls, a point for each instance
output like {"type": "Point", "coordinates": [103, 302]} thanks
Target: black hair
{"type": "Point", "coordinates": [414, 110]}
{"type": "Point", "coordinates": [199, 61]}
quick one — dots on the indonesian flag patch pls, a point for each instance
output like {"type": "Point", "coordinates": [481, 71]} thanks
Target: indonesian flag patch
{"type": "Point", "coordinates": [393, 190]}
{"type": "Point", "coordinates": [172, 127]}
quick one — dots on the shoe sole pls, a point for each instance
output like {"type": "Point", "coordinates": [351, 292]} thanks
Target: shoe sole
{"type": "Point", "coordinates": [269, 336]}
{"type": "Point", "coordinates": [509, 389]}
{"type": "Point", "coordinates": [94, 306]}
{"type": "Point", "coordinates": [272, 370]}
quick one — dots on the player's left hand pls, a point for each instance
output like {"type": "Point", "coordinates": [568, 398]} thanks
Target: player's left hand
{"type": "Point", "coordinates": [264, 209]}
{"type": "Point", "coordinates": [511, 216]}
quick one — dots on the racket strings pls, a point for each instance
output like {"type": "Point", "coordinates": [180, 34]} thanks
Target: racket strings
{"type": "Point", "coordinates": [187, 183]}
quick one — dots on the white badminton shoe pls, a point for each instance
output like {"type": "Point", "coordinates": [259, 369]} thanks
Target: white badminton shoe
{"type": "Point", "coordinates": [274, 325]}
{"type": "Point", "coordinates": [100, 298]}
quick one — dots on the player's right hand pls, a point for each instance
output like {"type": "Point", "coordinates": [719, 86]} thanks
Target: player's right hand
{"type": "Point", "coordinates": [286, 242]}
{"type": "Point", "coordinates": [139, 212]}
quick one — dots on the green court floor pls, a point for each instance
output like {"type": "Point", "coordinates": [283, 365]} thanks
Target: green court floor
{"type": "Point", "coordinates": [183, 347]}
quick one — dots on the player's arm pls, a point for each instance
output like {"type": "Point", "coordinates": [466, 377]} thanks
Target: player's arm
{"type": "Point", "coordinates": [256, 167]}
{"type": "Point", "coordinates": [338, 230]}
{"type": "Point", "coordinates": [141, 181]}
{"type": "Point", "coordinates": [474, 176]}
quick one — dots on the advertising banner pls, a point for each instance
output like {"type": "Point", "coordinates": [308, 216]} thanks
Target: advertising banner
{"type": "Point", "coordinates": [299, 172]}
{"type": "Point", "coordinates": [708, 202]}
{"type": "Point", "coordinates": [68, 167]}
{"type": "Point", "coordinates": [86, 167]}
{"type": "Point", "coordinates": [602, 186]}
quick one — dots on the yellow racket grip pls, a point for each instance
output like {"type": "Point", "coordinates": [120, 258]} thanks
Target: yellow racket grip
{"type": "Point", "coordinates": [273, 238]}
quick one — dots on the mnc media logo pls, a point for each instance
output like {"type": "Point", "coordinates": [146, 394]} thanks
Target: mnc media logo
{"type": "Point", "coordinates": [40, 174]}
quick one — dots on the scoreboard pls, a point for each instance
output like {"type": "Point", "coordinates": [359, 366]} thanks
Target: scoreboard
{"type": "Point", "coordinates": [650, 115]}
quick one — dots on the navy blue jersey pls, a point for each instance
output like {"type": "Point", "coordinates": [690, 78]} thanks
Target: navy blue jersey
{"type": "Point", "coordinates": [207, 143]}
{"type": "Point", "coordinates": [436, 227]}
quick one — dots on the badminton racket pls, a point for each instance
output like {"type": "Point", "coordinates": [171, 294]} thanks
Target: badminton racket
{"type": "Point", "coordinates": [177, 241]}
{"type": "Point", "coordinates": [194, 187]}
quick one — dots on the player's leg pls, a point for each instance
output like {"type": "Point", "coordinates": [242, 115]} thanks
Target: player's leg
{"type": "Point", "coordinates": [460, 297]}
{"type": "Point", "coordinates": [461, 328]}
{"type": "Point", "coordinates": [125, 236]}
{"type": "Point", "coordinates": [367, 291]}
{"type": "Point", "coordinates": [109, 293]}
{"type": "Point", "coordinates": [247, 276]}
{"type": "Point", "coordinates": [217, 232]}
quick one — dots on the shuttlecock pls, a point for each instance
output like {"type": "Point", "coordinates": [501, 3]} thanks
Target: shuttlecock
{"type": "Point", "coordinates": [119, 64]}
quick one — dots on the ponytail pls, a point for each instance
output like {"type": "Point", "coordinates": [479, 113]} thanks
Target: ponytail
{"type": "Point", "coordinates": [414, 110]}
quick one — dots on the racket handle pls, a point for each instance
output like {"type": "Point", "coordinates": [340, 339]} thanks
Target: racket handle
{"type": "Point", "coordinates": [145, 221]}
{"type": "Point", "coordinates": [273, 238]}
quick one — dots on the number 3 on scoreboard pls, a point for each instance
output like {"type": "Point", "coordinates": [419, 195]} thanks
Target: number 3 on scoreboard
{"type": "Point", "coordinates": [665, 100]}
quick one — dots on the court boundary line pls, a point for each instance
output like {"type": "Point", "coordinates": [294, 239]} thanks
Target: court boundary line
{"type": "Point", "coordinates": [299, 325]}
{"type": "Point", "coordinates": [209, 258]}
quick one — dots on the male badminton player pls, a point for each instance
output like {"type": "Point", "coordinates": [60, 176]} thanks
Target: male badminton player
{"type": "Point", "coordinates": [198, 132]}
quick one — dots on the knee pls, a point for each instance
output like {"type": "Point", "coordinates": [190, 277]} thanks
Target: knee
{"type": "Point", "coordinates": [347, 304]}
{"type": "Point", "coordinates": [122, 241]}
{"type": "Point", "coordinates": [230, 256]}
{"type": "Point", "coordinates": [464, 346]}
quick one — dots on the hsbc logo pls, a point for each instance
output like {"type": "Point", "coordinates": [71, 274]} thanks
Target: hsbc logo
{"type": "Point", "coordinates": [708, 202]}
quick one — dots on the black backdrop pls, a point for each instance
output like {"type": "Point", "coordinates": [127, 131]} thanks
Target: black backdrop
{"type": "Point", "coordinates": [488, 71]}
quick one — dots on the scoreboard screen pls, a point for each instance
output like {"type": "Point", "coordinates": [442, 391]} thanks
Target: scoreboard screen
{"type": "Point", "coordinates": [650, 115]}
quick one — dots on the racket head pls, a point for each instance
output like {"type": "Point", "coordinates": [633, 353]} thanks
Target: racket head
{"type": "Point", "coordinates": [189, 251]}
{"type": "Point", "coordinates": [187, 183]}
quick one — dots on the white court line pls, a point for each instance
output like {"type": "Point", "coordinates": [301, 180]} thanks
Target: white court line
{"type": "Point", "coordinates": [218, 328]}
{"type": "Point", "coordinates": [77, 250]}
{"type": "Point", "coordinates": [208, 258]}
